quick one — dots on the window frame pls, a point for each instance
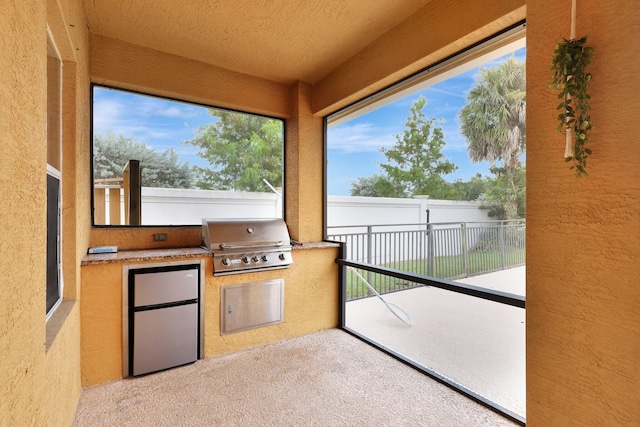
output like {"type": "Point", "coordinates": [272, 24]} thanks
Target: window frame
{"type": "Point", "coordinates": [441, 70]}
{"type": "Point", "coordinates": [53, 173]}
{"type": "Point", "coordinates": [54, 155]}
{"type": "Point", "coordinates": [280, 192]}
{"type": "Point", "coordinates": [467, 58]}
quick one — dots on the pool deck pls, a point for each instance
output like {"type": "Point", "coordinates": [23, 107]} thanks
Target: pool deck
{"type": "Point", "coordinates": [477, 343]}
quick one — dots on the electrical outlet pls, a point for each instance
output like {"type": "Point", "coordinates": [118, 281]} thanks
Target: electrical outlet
{"type": "Point", "coordinates": [160, 237]}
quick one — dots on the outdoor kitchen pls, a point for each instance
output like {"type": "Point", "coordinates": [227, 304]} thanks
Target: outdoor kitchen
{"type": "Point", "coordinates": [290, 297]}
{"type": "Point", "coordinates": [256, 285]}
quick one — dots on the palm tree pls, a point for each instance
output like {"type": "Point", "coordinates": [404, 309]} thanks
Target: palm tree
{"type": "Point", "coordinates": [494, 121]}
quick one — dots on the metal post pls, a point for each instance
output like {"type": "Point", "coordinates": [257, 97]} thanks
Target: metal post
{"type": "Point", "coordinates": [501, 234]}
{"type": "Point", "coordinates": [430, 266]}
{"type": "Point", "coordinates": [369, 251]}
{"type": "Point", "coordinates": [422, 242]}
{"type": "Point", "coordinates": [342, 286]}
{"type": "Point", "coordinates": [421, 251]}
{"type": "Point", "coordinates": [465, 252]}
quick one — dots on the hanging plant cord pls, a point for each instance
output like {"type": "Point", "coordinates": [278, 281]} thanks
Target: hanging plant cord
{"type": "Point", "coordinates": [570, 60]}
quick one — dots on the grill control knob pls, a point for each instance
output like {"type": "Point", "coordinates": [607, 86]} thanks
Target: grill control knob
{"type": "Point", "coordinates": [226, 261]}
{"type": "Point", "coordinates": [265, 258]}
{"type": "Point", "coordinates": [282, 257]}
{"type": "Point", "coordinates": [255, 258]}
{"type": "Point", "coordinates": [245, 259]}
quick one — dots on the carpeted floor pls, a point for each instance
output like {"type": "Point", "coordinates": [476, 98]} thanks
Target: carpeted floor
{"type": "Point", "coordinates": [324, 379]}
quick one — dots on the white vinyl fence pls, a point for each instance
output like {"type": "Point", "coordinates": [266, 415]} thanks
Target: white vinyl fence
{"type": "Point", "coordinates": [349, 211]}
{"type": "Point", "coordinates": [169, 206]}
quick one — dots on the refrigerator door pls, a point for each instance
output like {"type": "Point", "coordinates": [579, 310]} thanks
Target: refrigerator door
{"type": "Point", "coordinates": [165, 287]}
{"type": "Point", "coordinates": [164, 338]}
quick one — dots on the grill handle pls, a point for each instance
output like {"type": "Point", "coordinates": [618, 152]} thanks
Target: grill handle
{"type": "Point", "coordinates": [262, 244]}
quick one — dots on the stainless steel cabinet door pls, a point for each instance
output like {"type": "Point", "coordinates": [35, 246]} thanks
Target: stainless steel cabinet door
{"type": "Point", "coordinates": [165, 286]}
{"type": "Point", "coordinates": [164, 338]}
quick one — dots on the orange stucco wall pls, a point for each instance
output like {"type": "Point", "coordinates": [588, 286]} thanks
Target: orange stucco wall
{"type": "Point", "coordinates": [311, 304]}
{"type": "Point", "coordinates": [304, 167]}
{"type": "Point", "coordinates": [439, 30]}
{"type": "Point", "coordinates": [583, 300]}
{"type": "Point", "coordinates": [583, 235]}
{"type": "Point", "coordinates": [133, 67]}
{"type": "Point", "coordinates": [311, 301]}
{"type": "Point", "coordinates": [128, 238]}
{"type": "Point", "coordinates": [128, 66]}
{"type": "Point", "coordinates": [40, 369]}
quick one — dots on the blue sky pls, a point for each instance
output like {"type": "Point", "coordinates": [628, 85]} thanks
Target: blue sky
{"type": "Point", "coordinates": [352, 146]}
{"type": "Point", "coordinates": [157, 122]}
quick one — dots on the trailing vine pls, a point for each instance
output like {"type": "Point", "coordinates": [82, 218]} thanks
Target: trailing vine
{"type": "Point", "coordinates": [570, 78]}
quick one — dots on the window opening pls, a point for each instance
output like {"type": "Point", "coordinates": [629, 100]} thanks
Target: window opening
{"type": "Point", "coordinates": [54, 181]}
{"type": "Point", "coordinates": [192, 161]}
{"type": "Point", "coordinates": [427, 177]}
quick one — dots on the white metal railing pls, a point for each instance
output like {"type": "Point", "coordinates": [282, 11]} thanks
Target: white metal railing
{"type": "Point", "coordinates": [445, 250]}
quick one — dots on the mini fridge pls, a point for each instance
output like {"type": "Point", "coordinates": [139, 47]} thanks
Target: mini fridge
{"type": "Point", "coordinates": [164, 326]}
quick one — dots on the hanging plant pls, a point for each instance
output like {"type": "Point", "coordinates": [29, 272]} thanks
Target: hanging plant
{"type": "Point", "coordinates": [570, 78]}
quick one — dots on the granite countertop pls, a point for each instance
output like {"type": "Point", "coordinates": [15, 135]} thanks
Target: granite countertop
{"type": "Point", "coordinates": [144, 255]}
{"type": "Point", "coordinates": [123, 257]}
{"type": "Point", "coordinates": [315, 245]}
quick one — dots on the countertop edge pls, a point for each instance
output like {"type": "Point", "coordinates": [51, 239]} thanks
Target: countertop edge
{"type": "Point", "coordinates": [315, 245]}
{"type": "Point", "coordinates": [173, 254]}
{"type": "Point", "coordinates": [143, 255]}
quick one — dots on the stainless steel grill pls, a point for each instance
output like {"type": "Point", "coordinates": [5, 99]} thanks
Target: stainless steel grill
{"type": "Point", "coordinates": [245, 245]}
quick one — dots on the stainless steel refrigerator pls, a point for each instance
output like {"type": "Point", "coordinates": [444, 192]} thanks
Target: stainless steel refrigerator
{"type": "Point", "coordinates": [164, 325]}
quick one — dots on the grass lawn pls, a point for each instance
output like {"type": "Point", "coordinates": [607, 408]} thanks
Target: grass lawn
{"type": "Point", "coordinates": [445, 267]}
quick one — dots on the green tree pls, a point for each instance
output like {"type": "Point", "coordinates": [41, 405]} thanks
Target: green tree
{"type": "Point", "coordinates": [416, 163]}
{"type": "Point", "coordinates": [375, 186]}
{"type": "Point", "coordinates": [159, 169]}
{"type": "Point", "coordinates": [497, 189]}
{"type": "Point", "coordinates": [242, 150]}
{"type": "Point", "coordinates": [493, 122]}
{"type": "Point", "coordinates": [471, 190]}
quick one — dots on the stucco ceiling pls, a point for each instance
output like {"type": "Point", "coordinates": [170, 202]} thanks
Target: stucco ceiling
{"type": "Point", "coordinates": [279, 40]}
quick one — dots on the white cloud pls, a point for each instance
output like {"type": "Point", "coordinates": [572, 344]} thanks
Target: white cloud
{"type": "Point", "coordinates": [106, 113]}
{"type": "Point", "coordinates": [150, 107]}
{"type": "Point", "coordinates": [111, 115]}
{"type": "Point", "coordinates": [366, 137]}
{"type": "Point", "coordinates": [142, 118]}
{"type": "Point", "coordinates": [170, 112]}
{"type": "Point", "coordinates": [446, 92]}
{"type": "Point", "coordinates": [361, 137]}
{"type": "Point", "coordinates": [454, 138]}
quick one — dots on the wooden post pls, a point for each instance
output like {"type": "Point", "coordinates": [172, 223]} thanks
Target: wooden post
{"type": "Point", "coordinates": [99, 206]}
{"type": "Point", "coordinates": [132, 177]}
{"type": "Point", "coordinates": [114, 206]}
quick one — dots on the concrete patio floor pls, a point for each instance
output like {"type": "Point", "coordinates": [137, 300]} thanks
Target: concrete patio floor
{"type": "Point", "coordinates": [477, 343]}
{"type": "Point", "coordinates": [331, 378]}
{"type": "Point", "coordinates": [328, 378]}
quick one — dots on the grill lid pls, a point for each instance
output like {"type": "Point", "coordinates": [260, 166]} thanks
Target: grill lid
{"type": "Point", "coordinates": [233, 234]}
{"type": "Point", "coordinates": [239, 245]}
